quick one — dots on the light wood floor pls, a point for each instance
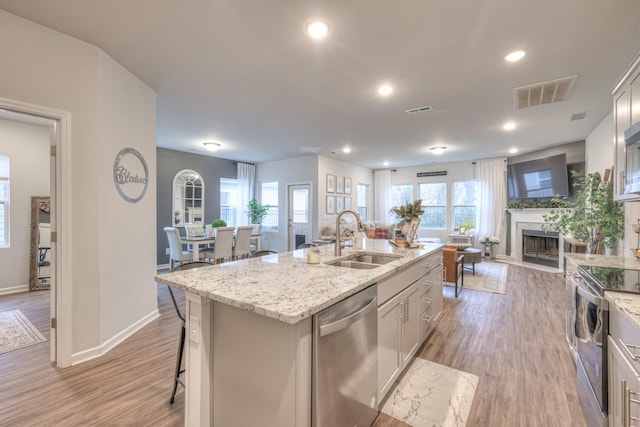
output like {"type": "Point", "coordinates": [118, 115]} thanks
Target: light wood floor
{"type": "Point", "coordinates": [514, 343]}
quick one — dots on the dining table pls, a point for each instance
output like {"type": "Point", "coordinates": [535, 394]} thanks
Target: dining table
{"type": "Point", "coordinates": [197, 241]}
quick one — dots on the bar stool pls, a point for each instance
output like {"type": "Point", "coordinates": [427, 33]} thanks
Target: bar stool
{"type": "Point", "coordinates": [183, 329]}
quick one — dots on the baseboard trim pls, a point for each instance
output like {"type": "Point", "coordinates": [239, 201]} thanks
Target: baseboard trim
{"type": "Point", "coordinates": [108, 345]}
{"type": "Point", "coordinates": [14, 289]}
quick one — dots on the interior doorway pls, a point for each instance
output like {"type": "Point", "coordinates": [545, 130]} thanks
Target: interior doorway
{"type": "Point", "coordinates": [59, 266]}
{"type": "Point", "coordinates": [299, 215]}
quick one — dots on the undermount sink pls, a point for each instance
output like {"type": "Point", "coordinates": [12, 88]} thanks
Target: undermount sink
{"type": "Point", "coordinates": [354, 264]}
{"type": "Point", "coordinates": [365, 261]}
{"type": "Point", "coordinates": [379, 259]}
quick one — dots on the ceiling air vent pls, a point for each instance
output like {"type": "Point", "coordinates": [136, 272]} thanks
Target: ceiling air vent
{"type": "Point", "coordinates": [544, 93]}
{"type": "Point", "coordinates": [420, 109]}
{"type": "Point", "coordinates": [578, 116]}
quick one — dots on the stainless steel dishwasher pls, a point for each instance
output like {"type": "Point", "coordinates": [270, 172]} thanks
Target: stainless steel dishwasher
{"type": "Point", "coordinates": [345, 362]}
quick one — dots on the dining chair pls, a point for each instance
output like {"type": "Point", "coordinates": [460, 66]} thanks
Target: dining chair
{"type": "Point", "coordinates": [223, 247]}
{"type": "Point", "coordinates": [194, 230]}
{"type": "Point", "coordinates": [242, 245]}
{"type": "Point", "coordinates": [176, 253]}
{"type": "Point", "coordinates": [183, 330]}
{"type": "Point", "coordinates": [255, 236]}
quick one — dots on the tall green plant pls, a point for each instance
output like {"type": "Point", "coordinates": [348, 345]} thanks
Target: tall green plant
{"type": "Point", "coordinates": [595, 218]}
{"type": "Point", "coordinates": [256, 211]}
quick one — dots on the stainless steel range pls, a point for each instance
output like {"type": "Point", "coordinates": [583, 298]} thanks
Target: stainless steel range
{"type": "Point", "coordinates": [587, 330]}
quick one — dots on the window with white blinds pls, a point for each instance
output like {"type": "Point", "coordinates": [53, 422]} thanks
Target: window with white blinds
{"type": "Point", "coordinates": [4, 200]}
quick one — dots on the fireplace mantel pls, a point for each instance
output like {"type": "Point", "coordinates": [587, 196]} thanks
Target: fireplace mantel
{"type": "Point", "coordinates": [530, 219]}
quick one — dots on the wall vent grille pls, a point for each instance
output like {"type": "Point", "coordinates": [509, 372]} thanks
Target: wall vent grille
{"type": "Point", "coordinates": [578, 116]}
{"type": "Point", "coordinates": [420, 109]}
{"type": "Point", "coordinates": [544, 93]}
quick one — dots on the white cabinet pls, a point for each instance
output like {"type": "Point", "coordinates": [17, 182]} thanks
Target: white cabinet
{"type": "Point", "coordinates": [406, 319]}
{"type": "Point", "coordinates": [626, 112]}
{"type": "Point", "coordinates": [624, 387]}
{"type": "Point", "coordinates": [623, 356]}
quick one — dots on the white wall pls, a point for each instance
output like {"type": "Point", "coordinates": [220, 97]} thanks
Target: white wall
{"type": "Point", "coordinates": [28, 148]}
{"type": "Point", "coordinates": [599, 147]}
{"type": "Point", "coordinates": [358, 175]}
{"type": "Point", "coordinates": [299, 170]}
{"type": "Point", "coordinates": [110, 109]}
{"type": "Point", "coordinates": [457, 171]}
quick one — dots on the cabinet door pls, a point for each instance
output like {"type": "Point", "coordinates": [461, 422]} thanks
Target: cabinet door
{"type": "Point", "coordinates": [411, 318]}
{"type": "Point", "coordinates": [389, 338]}
{"type": "Point", "coordinates": [622, 376]}
{"type": "Point", "coordinates": [621, 121]}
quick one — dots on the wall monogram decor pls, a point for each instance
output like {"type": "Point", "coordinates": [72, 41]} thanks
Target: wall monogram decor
{"type": "Point", "coordinates": [131, 175]}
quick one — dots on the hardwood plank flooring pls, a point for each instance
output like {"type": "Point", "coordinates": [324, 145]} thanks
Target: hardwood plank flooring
{"type": "Point", "coordinates": [514, 343]}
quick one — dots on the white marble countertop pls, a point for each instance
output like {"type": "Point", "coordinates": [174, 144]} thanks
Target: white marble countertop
{"type": "Point", "coordinates": [629, 304]}
{"type": "Point", "coordinates": [283, 286]}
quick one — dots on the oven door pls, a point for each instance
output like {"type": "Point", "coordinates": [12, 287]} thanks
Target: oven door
{"type": "Point", "coordinates": [591, 330]}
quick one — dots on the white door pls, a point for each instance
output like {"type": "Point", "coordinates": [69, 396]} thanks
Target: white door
{"type": "Point", "coordinates": [299, 215]}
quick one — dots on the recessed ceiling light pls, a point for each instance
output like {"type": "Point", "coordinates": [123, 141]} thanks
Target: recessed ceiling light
{"type": "Point", "coordinates": [385, 164]}
{"type": "Point", "coordinates": [516, 55]}
{"type": "Point", "coordinates": [509, 126]}
{"type": "Point", "coordinates": [212, 146]}
{"type": "Point", "coordinates": [346, 150]}
{"type": "Point", "coordinates": [317, 28]}
{"type": "Point", "coordinates": [438, 150]}
{"type": "Point", "coordinates": [513, 150]}
{"type": "Point", "coordinates": [385, 90]}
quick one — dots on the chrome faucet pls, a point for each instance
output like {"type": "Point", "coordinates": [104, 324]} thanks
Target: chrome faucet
{"type": "Point", "coordinates": [360, 227]}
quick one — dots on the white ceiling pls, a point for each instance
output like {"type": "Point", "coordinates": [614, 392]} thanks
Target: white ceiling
{"type": "Point", "coordinates": [243, 73]}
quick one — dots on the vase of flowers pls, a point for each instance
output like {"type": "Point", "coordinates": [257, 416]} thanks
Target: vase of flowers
{"type": "Point", "coordinates": [489, 243]}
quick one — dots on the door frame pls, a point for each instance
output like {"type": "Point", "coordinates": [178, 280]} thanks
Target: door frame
{"type": "Point", "coordinates": [287, 206]}
{"type": "Point", "coordinates": [60, 193]}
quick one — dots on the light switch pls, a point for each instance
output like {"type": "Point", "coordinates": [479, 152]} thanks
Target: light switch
{"type": "Point", "coordinates": [194, 329]}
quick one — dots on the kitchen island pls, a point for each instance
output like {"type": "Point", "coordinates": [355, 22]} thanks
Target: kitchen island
{"type": "Point", "coordinates": [249, 329]}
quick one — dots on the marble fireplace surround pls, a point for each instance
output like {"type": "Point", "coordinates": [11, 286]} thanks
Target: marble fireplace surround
{"type": "Point", "coordinates": [528, 219]}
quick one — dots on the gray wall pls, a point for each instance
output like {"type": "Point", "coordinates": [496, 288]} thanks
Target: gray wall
{"type": "Point", "coordinates": [211, 169]}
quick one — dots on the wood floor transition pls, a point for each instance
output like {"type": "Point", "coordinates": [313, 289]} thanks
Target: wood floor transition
{"type": "Point", "coordinates": [514, 343]}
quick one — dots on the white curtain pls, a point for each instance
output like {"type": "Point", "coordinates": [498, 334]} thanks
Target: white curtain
{"type": "Point", "coordinates": [492, 200]}
{"type": "Point", "coordinates": [381, 191]}
{"type": "Point", "coordinates": [246, 184]}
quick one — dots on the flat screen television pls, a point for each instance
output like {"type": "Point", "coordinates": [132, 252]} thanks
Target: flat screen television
{"type": "Point", "coordinates": [540, 178]}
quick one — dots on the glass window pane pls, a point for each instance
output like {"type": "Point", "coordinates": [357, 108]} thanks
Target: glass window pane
{"type": "Point", "coordinates": [463, 213]}
{"type": "Point", "coordinates": [433, 194]}
{"type": "Point", "coordinates": [464, 193]}
{"type": "Point", "coordinates": [434, 218]}
{"type": "Point", "coordinates": [301, 205]}
{"type": "Point", "coordinates": [228, 194]}
{"type": "Point", "coordinates": [401, 194]}
{"type": "Point", "coordinates": [270, 197]}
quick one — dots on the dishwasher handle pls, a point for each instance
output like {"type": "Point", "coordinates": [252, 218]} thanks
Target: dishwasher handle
{"type": "Point", "coordinates": [348, 320]}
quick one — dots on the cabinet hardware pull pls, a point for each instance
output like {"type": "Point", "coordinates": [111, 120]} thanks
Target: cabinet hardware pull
{"type": "Point", "coordinates": [402, 317]}
{"type": "Point", "coordinates": [626, 348]}
{"type": "Point", "coordinates": [426, 318]}
{"type": "Point", "coordinates": [406, 318]}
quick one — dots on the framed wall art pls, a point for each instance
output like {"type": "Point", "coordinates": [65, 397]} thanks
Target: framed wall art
{"type": "Point", "coordinates": [331, 183]}
{"type": "Point", "coordinates": [347, 185]}
{"type": "Point", "coordinates": [331, 204]}
{"type": "Point", "coordinates": [339, 185]}
{"type": "Point", "coordinates": [347, 201]}
{"type": "Point", "coordinates": [339, 204]}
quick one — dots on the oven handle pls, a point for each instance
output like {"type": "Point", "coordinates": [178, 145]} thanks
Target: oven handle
{"type": "Point", "coordinates": [590, 297]}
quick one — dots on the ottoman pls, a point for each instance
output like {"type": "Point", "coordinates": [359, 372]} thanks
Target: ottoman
{"type": "Point", "coordinates": [471, 256]}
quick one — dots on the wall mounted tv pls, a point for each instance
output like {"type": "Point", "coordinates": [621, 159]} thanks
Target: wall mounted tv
{"type": "Point", "coordinates": [537, 179]}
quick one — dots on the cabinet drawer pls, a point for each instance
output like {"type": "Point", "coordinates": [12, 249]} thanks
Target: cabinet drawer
{"type": "Point", "coordinates": [625, 334]}
{"type": "Point", "coordinates": [400, 281]}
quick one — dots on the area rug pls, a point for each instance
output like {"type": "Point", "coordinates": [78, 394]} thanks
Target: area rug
{"type": "Point", "coordinates": [489, 277]}
{"type": "Point", "coordinates": [17, 332]}
{"type": "Point", "coordinates": [432, 395]}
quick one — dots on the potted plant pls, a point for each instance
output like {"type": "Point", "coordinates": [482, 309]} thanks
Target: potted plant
{"type": "Point", "coordinates": [595, 218]}
{"type": "Point", "coordinates": [407, 213]}
{"type": "Point", "coordinates": [256, 211]}
{"type": "Point", "coordinates": [466, 225]}
{"type": "Point", "coordinates": [489, 242]}
{"type": "Point", "coordinates": [218, 223]}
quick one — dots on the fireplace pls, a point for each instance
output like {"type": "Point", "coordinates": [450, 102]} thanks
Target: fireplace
{"type": "Point", "coordinates": [541, 247]}
{"type": "Point", "coordinates": [530, 219]}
